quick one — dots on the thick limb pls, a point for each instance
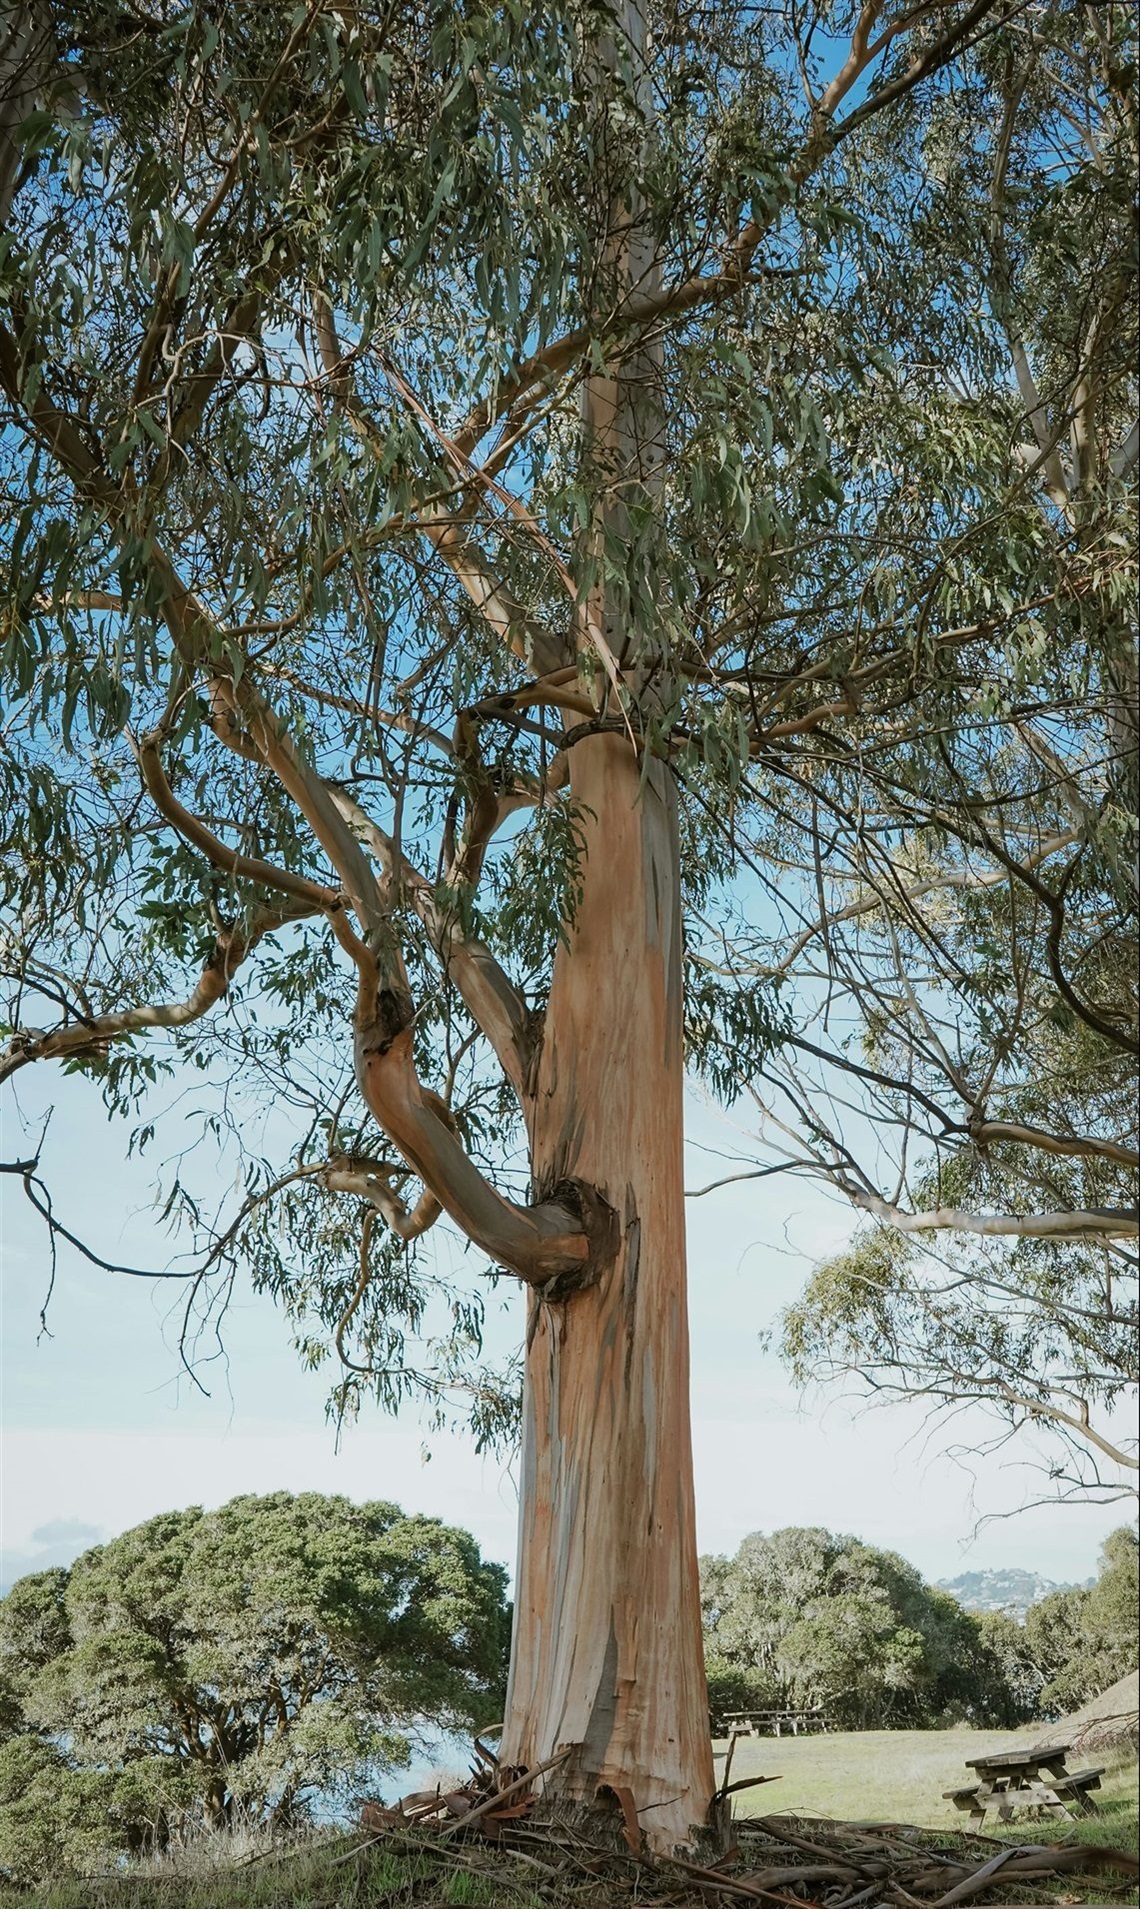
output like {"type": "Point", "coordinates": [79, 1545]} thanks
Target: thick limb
{"type": "Point", "coordinates": [488, 993]}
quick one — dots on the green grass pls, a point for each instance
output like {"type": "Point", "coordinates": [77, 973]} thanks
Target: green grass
{"type": "Point", "coordinates": [870, 1776]}
{"type": "Point", "coordinates": [899, 1776]}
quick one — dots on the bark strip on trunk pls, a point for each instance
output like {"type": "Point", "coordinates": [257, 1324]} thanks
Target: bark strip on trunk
{"type": "Point", "coordinates": [607, 1651]}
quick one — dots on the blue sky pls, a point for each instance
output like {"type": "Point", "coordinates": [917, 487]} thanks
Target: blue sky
{"type": "Point", "coordinates": [101, 1429]}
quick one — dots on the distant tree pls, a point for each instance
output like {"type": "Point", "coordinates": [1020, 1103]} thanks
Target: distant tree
{"type": "Point", "coordinates": [1006, 1671]}
{"type": "Point", "coordinates": [54, 1818]}
{"type": "Point", "coordinates": [1083, 1640]}
{"type": "Point", "coordinates": [246, 1656]}
{"type": "Point", "coordinates": [822, 1620]}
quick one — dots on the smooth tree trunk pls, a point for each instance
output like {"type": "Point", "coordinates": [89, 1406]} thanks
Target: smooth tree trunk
{"type": "Point", "coordinates": [607, 1662]}
{"type": "Point", "coordinates": [606, 1657]}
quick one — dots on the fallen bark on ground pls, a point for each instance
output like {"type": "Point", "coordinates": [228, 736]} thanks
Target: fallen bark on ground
{"type": "Point", "coordinates": [802, 1862]}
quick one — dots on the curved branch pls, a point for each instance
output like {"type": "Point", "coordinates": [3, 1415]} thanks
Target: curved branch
{"type": "Point", "coordinates": [251, 868]}
{"type": "Point", "coordinates": [1055, 906]}
{"type": "Point", "coordinates": [1037, 1408]}
{"type": "Point", "coordinates": [40, 1198]}
{"type": "Point", "coordinates": [90, 1035]}
{"type": "Point", "coordinates": [358, 1292]}
{"type": "Point", "coordinates": [537, 1243]}
{"type": "Point", "coordinates": [1100, 1223]}
{"type": "Point", "coordinates": [1069, 1146]}
{"type": "Point", "coordinates": [371, 1180]}
{"type": "Point", "coordinates": [486, 989]}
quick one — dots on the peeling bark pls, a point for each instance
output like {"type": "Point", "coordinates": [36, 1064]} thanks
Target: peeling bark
{"type": "Point", "coordinates": [606, 1655]}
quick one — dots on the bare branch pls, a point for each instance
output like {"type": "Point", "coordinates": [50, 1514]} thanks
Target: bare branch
{"type": "Point", "coordinates": [1103, 1223]}
{"type": "Point", "coordinates": [937, 884]}
{"type": "Point", "coordinates": [1079, 1423]}
{"type": "Point", "coordinates": [1070, 1146]}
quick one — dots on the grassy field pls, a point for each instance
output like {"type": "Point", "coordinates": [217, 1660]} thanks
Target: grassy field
{"type": "Point", "coordinates": [872, 1776]}
{"type": "Point", "coordinates": [898, 1775]}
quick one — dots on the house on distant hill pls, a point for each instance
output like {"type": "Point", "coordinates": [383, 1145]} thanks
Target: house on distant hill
{"type": "Point", "coordinates": [1011, 1589]}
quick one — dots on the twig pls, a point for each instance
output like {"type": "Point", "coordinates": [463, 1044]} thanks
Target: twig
{"type": "Point", "coordinates": [492, 1802]}
{"type": "Point", "coordinates": [738, 1887]}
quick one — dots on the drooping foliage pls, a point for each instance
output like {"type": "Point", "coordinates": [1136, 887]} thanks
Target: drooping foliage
{"type": "Point", "coordinates": [240, 1661]}
{"type": "Point", "coordinates": [302, 537]}
{"type": "Point", "coordinates": [1044, 1333]}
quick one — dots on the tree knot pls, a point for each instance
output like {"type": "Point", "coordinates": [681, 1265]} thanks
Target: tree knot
{"type": "Point", "coordinates": [597, 1220]}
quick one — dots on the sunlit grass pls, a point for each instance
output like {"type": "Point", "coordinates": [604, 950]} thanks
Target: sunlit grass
{"type": "Point", "coordinates": [867, 1776]}
{"type": "Point", "coordinates": [899, 1776]}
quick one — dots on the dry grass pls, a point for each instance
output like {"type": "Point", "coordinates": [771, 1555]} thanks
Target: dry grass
{"type": "Point", "coordinates": [323, 1875]}
{"type": "Point", "coordinates": [869, 1776]}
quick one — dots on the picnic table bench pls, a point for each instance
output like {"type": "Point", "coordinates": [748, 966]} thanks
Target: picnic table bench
{"type": "Point", "coordinates": [1011, 1780]}
{"type": "Point", "coordinates": [772, 1723]}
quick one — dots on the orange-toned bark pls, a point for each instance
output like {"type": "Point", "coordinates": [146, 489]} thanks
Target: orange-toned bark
{"type": "Point", "coordinates": [607, 1646]}
{"type": "Point", "coordinates": [538, 1242]}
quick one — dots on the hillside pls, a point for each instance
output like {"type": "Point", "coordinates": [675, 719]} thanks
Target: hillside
{"type": "Point", "coordinates": [1009, 1589]}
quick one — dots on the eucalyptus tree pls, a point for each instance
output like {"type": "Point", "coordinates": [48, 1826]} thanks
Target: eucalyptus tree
{"type": "Point", "coordinates": [1084, 1639]}
{"type": "Point", "coordinates": [968, 1076]}
{"type": "Point", "coordinates": [487, 491]}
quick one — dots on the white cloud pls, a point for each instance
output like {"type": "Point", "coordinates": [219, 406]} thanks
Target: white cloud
{"type": "Point", "coordinates": [100, 1483]}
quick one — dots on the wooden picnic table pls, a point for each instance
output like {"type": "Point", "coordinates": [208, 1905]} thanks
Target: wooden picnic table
{"type": "Point", "coordinates": [751, 1723]}
{"type": "Point", "coordinates": [1036, 1778]}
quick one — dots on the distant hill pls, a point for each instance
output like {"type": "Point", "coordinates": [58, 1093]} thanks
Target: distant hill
{"type": "Point", "coordinates": [1011, 1590]}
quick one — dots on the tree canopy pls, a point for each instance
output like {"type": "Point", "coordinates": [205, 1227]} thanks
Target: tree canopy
{"type": "Point", "coordinates": [241, 1659]}
{"type": "Point", "coordinates": [1085, 1639]}
{"type": "Point", "coordinates": [806, 1619]}
{"type": "Point", "coordinates": [298, 314]}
